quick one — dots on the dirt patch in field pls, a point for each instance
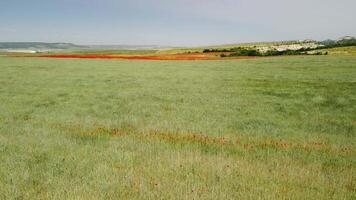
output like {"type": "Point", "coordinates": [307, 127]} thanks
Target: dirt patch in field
{"type": "Point", "coordinates": [181, 56]}
{"type": "Point", "coordinates": [227, 141]}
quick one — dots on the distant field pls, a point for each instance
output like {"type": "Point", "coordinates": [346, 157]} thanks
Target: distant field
{"type": "Point", "coordinates": [162, 51]}
{"type": "Point", "coordinates": [165, 53]}
{"type": "Point", "coordinates": [159, 56]}
{"type": "Point", "coordinates": [342, 50]}
{"type": "Point", "coordinates": [113, 51]}
{"type": "Point", "coordinates": [269, 128]}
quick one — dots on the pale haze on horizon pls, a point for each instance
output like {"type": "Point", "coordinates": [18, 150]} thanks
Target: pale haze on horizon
{"type": "Point", "coordinates": [174, 22]}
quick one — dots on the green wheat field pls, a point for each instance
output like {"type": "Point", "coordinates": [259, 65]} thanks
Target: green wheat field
{"type": "Point", "coordinates": [269, 128]}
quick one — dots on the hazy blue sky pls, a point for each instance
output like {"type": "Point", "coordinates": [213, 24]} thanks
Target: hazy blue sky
{"type": "Point", "coordinates": [174, 22]}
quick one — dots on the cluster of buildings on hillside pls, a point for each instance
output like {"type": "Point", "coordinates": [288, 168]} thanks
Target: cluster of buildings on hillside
{"type": "Point", "coordinates": [264, 49]}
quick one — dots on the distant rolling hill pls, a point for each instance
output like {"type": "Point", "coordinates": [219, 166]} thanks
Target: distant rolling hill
{"type": "Point", "coordinates": [66, 46]}
{"type": "Point", "coordinates": [39, 45]}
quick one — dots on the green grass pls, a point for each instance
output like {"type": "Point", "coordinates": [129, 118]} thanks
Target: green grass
{"type": "Point", "coordinates": [271, 128]}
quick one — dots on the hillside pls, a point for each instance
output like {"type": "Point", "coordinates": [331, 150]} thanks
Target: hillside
{"type": "Point", "coordinates": [39, 45]}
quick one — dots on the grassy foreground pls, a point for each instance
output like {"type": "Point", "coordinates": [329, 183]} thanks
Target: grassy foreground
{"type": "Point", "coordinates": [272, 128]}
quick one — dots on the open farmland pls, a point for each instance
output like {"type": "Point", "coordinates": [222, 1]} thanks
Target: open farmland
{"type": "Point", "coordinates": [342, 51]}
{"type": "Point", "coordinates": [269, 128]}
{"type": "Point", "coordinates": [176, 56]}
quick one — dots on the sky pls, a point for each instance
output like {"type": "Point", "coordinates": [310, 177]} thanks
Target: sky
{"type": "Point", "coordinates": [174, 22]}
